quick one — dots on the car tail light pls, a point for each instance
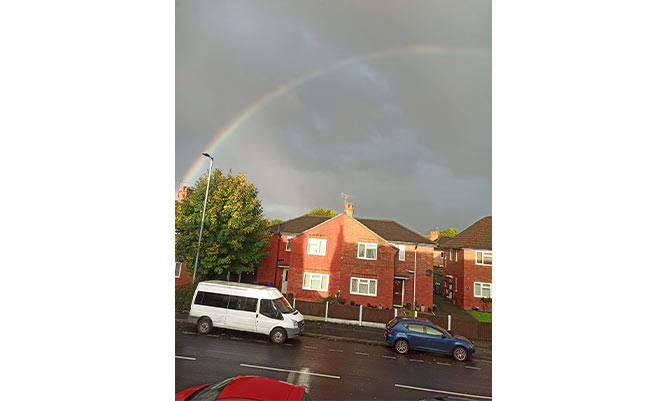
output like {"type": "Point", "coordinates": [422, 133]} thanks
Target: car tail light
{"type": "Point", "coordinates": [390, 331]}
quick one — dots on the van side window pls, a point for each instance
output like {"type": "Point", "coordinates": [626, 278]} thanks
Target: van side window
{"type": "Point", "coordinates": [212, 299]}
{"type": "Point", "coordinates": [243, 303]}
{"type": "Point", "coordinates": [251, 305]}
{"type": "Point", "coordinates": [268, 309]}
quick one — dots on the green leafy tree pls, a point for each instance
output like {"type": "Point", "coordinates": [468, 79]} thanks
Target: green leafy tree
{"type": "Point", "coordinates": [274, 221]}
{"type": "Point", "coordinates": [234, 237]}
{"type": "Point", "coordinates": [448, 232]}
{"type": "Point", "coordinates": [318, 211]}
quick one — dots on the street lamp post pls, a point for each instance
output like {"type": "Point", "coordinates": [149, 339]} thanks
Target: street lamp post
{"type": "Point", "coordinates": [201, 228]}
{"type": "Point", "coordinates": [415, 277]}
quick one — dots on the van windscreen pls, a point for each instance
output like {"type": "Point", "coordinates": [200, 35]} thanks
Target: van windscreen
{"type": "Point", "coordinates": [283, 305]}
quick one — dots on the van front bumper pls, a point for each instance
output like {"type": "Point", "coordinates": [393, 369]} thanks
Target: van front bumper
{"type": "Point", "coordinates": [294, 332]}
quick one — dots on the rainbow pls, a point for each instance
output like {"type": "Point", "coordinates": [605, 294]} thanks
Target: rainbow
{"type": "Point", "coordinates": [200, 164]}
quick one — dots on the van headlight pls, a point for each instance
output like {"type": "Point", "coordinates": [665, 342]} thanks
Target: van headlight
{"type": "Point", "coordinates": [295, 324]}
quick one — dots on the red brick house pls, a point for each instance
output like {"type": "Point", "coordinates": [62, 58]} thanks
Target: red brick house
{"type": "Point", "coordinates": [367, 261]}
{"type": "Point", "coordinates": [468, 267]}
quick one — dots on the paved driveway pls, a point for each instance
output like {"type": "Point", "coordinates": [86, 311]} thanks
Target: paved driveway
{"type": "Point", "coordinates": [444, 308]}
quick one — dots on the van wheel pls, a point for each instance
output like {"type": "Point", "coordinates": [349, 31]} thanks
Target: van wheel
{"type": "Point", "coordinates": [278, 335]}
{"type": "Point", "coordinates": [204, 325]}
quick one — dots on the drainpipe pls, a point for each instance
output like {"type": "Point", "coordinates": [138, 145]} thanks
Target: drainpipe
{"type": "Point", "coordinates": [278, 250]}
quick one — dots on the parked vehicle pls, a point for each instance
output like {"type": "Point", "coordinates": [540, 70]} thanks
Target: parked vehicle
{"type": "Point", "coordinates": [246, 388]}
{"type": "Point", "coordinates": [244, 307]}
{"type": "Point", "coordinates": [422, 335]}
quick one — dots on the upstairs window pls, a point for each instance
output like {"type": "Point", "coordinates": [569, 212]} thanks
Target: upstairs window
{"type": "Point", "coordinates": [316, 246]}
{"type": "Point", "coordinates": [287, 242]}
{"type": "Point", "coordinates": [402, 252]}
{"type": "Point", "coordinates": [483, 258]}
{"type": "Point", "coordinates": [367, 251]}
{"type": "Point", "coordinates": [450, 255]}
{"type": "Point", "coordinates": [177, 272]}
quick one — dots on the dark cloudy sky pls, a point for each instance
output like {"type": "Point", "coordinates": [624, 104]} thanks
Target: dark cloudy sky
{"type": "Point", "coordinates": [388, 101]}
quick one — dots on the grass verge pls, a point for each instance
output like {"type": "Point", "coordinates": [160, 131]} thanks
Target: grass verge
{"type": "Point", "coordinates": [481, 316]}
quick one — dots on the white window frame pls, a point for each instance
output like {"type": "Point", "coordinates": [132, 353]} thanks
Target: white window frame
{"type": "Point", "coordinates": [481, 285]}
{"type": "Point", "coordinates": [180, 264]}
{"type": "Point", "coordinates": [287, 242]}
{"type": "Point", "coordinates": [456, 252]}
{"type": "Point", "coordinates": [322, 246]}
{"type": "Point", "coordinates": [311, 280]}
{"type": "Point", "coordinates": [450, 254]}
{"type": "Point", "coordinates": [456, 284]}
{"type": "Point", "coordinates": [367, 245]}
{"type": "Point", "coordinates": [368, 282]}
{"type": "Point", "coordinates": [402, 251]}
{"type": "Point", "coordinates": [483, 253]}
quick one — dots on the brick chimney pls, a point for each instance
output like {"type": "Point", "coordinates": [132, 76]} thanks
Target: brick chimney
{"type": "Point", "coordinates": [349, 209]}
{"type": "Point", "coordinates": [183, 192]}
{"type": "Point", "coordinates": [433, 236]}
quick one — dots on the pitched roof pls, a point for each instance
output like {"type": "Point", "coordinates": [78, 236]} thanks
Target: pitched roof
{"type": "Point", "coordinates": [390, 230]}
{"type": "Point", "coordinates": [441, 241]}
{"type": "Point", "coordinates": [477, 236]}
{"type": "Point", "coordinates": [299, 224]}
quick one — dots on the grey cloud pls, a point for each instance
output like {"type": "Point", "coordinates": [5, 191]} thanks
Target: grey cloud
{"type": "Point", "coordinates": [409, 136]}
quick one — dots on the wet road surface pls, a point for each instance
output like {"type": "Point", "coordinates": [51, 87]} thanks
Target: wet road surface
{"type": "Point", "coordinates": [330, 370]}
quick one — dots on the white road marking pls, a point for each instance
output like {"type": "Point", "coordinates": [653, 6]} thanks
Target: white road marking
{"type": "Point", "coordinates": [310, 347]}
{"type": "Point", "coordinates": [288, 345]}
{"type": "Point", "coordinates": [212, 335]}
{"type": "Point", "coordinates": [190, 333]}
{"type": "Point", "coordinates": [389, 357]}
{"type": "Point", "coordinates": [289, 370]}
{"type": "Point", "coordinates": [444, 363]}
{"type": "Point", "coordinates": [335, 350]}
{"type": "Point", "coordinates": [482, 360]}
{"type": "Point", "coordinates": [302, 378]}
{"type": "Point", "coordinates": [236, 338]}
{"type": "Point", "coordinates": [186, 358]}
{"type": "Point", "coordinates": [416, 360]}
{"type": "Point", "coordinates": [261, 341]}
{"type": "Point", "coordinates": [362, 353]}
{"type": "Point", "coordinates": [442, 391]}
{"type": "Point", "coordinates": [471, 367]}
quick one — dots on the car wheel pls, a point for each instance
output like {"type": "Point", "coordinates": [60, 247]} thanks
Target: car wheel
{"type": "Point", "coordinates": [204, 325]}
{"type": "Point", "coordinates": [460, 354]}
{"type": "Point", "coordinates": [401, 346]}
{"type": "Point", "coordinates": [278, 335]}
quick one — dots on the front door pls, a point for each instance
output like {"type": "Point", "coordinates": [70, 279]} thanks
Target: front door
{"type": "Point", "coordinates": [284, 281]}
{"type": "Point", "coordinates": [398, 297]}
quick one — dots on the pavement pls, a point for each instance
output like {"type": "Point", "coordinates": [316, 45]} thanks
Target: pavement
{"type": "Point", "coordinates": [343, 332]}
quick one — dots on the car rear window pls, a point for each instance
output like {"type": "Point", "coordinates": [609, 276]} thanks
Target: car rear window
{"type": "Point", "coordinates": [392, 323]}
{"type": "Point", "coordinates": [211, 392]}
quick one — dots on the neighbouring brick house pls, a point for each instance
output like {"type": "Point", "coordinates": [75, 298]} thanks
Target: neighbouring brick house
{"type": "Point", "coordinates": [468, 268]}
{"type": "Point", "coordinates": [367, 261]}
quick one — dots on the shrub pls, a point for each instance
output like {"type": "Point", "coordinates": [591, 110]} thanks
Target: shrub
{"type": "Point", "coordinates": [352, 303]}
{"type": "Point", "coordinates": [183, 296]}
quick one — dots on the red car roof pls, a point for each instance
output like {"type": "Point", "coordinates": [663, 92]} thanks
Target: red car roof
{"type": "Point", "coordinates": [261, 388]}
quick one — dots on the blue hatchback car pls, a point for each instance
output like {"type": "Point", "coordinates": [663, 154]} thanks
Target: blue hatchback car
{"type": "Point", "coordinates": [422, 335]}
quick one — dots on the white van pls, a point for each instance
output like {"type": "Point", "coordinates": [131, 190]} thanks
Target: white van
{"type": "Point", "coordinates": [245, 307]}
